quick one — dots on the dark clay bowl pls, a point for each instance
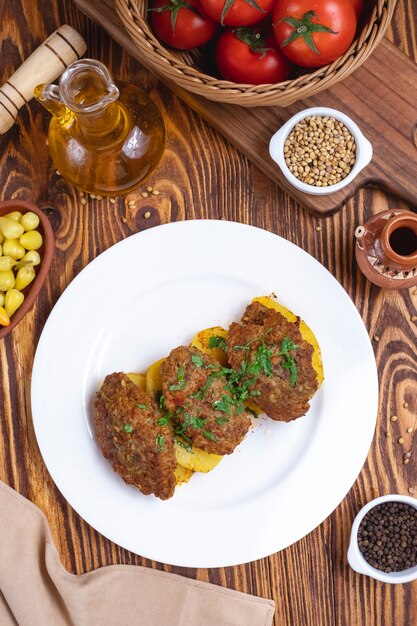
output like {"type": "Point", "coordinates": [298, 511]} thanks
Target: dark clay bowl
{"type": "Point", "coordinates": [46, 252]}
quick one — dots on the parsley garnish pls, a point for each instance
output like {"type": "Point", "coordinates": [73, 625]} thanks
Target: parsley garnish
{"type": "Point", "coordinates": [161, 402]}
{"type": "Point", "coordinates": [288, 362]}
{"type": "Point", "coordinates": [128, 428]}
{"type": "Point", "coordinates": [195, 422]}
{"type": "Point", "coordinates": [222, 420]}
{"type": "Point", "coordinates": [197, 360]}
{"type": "Point", "coordinates": [224, 404]}
{"type": "Point", "coordinates": [141, 406]}
{"type": "Point", "coordinates": [287, 345]}
{"type": "Point", "coordinates": [160, 442]}
{"type": "Point", "coordinates": [180, 379]}
{"type": "Point", "coordinates": [190, 422]}
{"type": "Point", "coordinates": [163, 420]}
{"type": "Point", "coordinates": [263, 359]}
{"type": "Point", "coordinates": [218, 342]}
{"type": "Point", "coordinates": [209, 435]}
{"type": "Point", "coordinates": [183, 444]}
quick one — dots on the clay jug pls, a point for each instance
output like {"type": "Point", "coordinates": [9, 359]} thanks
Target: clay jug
{"type": "Point", "coordinates": [386, 249]}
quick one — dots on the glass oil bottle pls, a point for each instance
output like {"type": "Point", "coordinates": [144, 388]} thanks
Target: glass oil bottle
{"type": "Point", "coordinates": [103, 139]}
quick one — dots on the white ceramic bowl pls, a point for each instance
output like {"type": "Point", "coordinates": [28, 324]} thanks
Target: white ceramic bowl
{"type": "Point", "coordinates": [355, 558]}
{"type": "Point", "coordinates": [363, 150]}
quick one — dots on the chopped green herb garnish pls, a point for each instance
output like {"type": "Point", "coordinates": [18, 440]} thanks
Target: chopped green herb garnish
{"type": "Point", "coordinates": [287, 345]}
{"type": "Point", "coordinates": [141, 406]}
{"type": "Point", "coordinates": [183, 444]}
{"type": "Point", "coordinates": [248, 345]}
{"type": "Point", "coordinates": [263, 358]}
{"type": "Point", "coordinates": [222, 420]}
{"type": "Point", "coordinates": [128, 428]}
{"type": "Point", "coordinates": [181, 380]}
{"type": "Point", "coordinates": [195, 422]}
{"type": "Point", "coordinates": [161, 401]}
{"type": "Point", "coordinates": [190, 422]}
{"type": "Point", "coordinates": [288, 362]}
{"type": "Point", "coordinates": [218, 342]}
{"type": "Point", "coordinates": [163, 420]}
{"type": "Point", "coordinates": [209, 435]}
{"type": "Point", "coordinates": [197, 360]}
{"type": "Point", "coordinates": [200, 394]}
{"type": "Point", "coordinates": [160, 442]}
{"type": "Point", "coordinates": [224, 404]}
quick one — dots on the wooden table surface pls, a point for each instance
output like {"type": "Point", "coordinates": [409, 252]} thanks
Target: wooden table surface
{"type": "Point", "coordinates": [201, 175]}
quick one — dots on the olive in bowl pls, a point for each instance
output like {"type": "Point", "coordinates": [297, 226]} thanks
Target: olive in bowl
{"type": "Point", "coordinates": [26, 251]}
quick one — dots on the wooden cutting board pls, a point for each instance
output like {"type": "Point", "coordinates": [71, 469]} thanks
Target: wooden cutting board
{"type": "Point", "coordinates": [381, 96]}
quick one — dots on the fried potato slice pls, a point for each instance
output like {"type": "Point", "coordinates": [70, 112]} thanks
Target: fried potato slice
{"type": "Point", "coordinates": [196, 459]}
{"type": "Point", "coordinates": [201, 341]}
{"type": "Point", "coordinates": [153, 377]}
{"type": "Point", "coordinates": [182, 474]}
{"type": "Point", "coordinates": [138, 379]}
{"type": "Point", "coordinates": [305, 331]}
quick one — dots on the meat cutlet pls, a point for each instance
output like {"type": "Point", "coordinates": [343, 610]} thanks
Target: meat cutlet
{"type": "Point", "coordinates": [276, 359]}
{"type": "Point", "coordinates": [139, 449]}
{"type": "Point", "coordinates": [195, 392]}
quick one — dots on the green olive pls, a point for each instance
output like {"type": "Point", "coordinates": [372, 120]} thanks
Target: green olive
{"type": "Point", "coordinates": [12, 301]}
{"type": "Point", "coordinates": [10, 228]}
{"type": "Point", "coordinates": [30, 258]}
{"type": "Point", "coordinates": [30, 221]}
{"type": "Point", "coordinates": [31, 240]}
{"type": "Point", "coordinates": [6, 263]}
{"type": "Point", "coordinates": [7, 280]}
{"type": "Point", "coordinates": [16, 216]}
{"type": "Point", "coordinates": [23, 277]}
{"type": "Point", "coordinates": [13, 248]}
{"type": "Point", "coordinates": [19, 242]}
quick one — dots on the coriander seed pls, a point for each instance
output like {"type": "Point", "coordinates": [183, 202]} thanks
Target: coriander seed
{"type": "Point", "coordinates": [320, 151]}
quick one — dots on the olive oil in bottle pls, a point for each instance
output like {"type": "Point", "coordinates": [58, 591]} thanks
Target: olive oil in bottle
{"type": "Point", "coordinates": [102, 138]}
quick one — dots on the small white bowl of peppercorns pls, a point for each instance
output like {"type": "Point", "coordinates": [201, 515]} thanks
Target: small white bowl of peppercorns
{"type": "Point", "coordinates": [383, 541]}
{"type": "Point", "coordinates": [320, 150]}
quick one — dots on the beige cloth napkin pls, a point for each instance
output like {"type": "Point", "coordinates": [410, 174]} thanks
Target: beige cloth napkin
{"type": "Point", "coordinates": [35, 589]}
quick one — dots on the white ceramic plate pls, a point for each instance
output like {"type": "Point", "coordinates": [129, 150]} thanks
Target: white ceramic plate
{"type": "Point", "coordinates": [151, 293]}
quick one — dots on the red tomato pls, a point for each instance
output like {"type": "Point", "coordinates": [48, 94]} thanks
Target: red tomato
{"type": "Point", "coordinates": [358, 6]}
{"type": "Point", "coordinates": [238, 12]}
{"type": "Point", "coordinates": [313, 33]}
{"type": "Point", "coordinates": [182, 24]}
{"type": "Point", "coordinates": [243, 55]}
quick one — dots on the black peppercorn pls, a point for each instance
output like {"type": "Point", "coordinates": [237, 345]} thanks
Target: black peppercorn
{"type": "Point", "coordinates": [387, 537]}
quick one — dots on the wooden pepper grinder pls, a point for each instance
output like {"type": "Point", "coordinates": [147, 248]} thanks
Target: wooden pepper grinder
{"type": "Point", "coordinates": [386, 249]}
{"type": "Point", "coordinates": [44, 65]}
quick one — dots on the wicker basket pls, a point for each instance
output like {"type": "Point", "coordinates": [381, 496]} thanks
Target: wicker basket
{"type": "Point", "coordinates": [188, 70]}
